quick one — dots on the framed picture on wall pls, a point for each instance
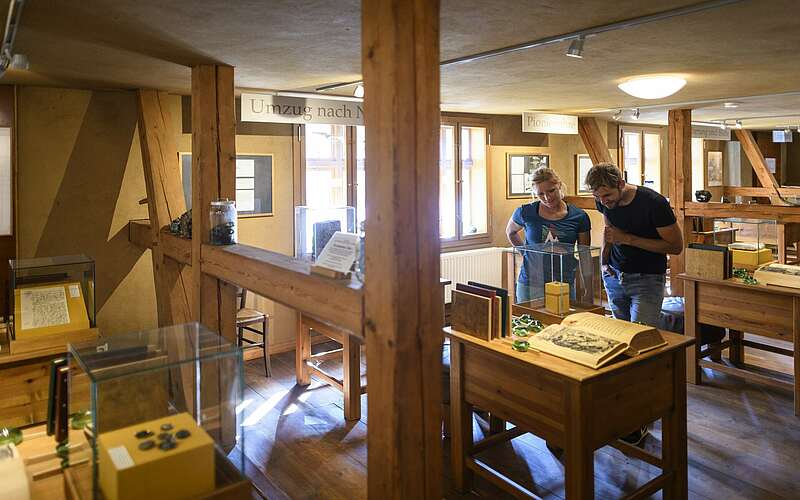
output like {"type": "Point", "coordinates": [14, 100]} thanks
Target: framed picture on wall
{"type": "Point", "coordinates": [253, 183]}
{"type": "Point", "coordinates": [519, 173]}
{"type": "Point", "coordinates": [714, 168]}
{"type": "Point", "coordinates": [582, 165]}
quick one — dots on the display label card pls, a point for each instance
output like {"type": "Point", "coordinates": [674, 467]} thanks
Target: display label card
{"type": "Point", "coordinates": [120, 457]}
{"type": "Point", "coordinates": [340, 252]}
{"type": "Point", "coordinates": [74, 291]}
{"type": "Point", "coordinates": [43, 307]}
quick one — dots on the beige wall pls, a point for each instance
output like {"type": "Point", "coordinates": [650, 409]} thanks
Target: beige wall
{"type": "Point", "coordinates": [79, 181]}
{"type": "Point", "coordinates": [562, 150]}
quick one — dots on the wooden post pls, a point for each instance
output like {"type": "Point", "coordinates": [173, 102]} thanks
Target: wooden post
{"type": "Point", "coordinates": [165, 202]}
{"type": "Point", "coordinates": [595, 145]}
{"type": "Point", "coordinates": [403, 307]}
{"type": "Point", "coordinates": [680, 187]}
{"type": "Point", "coordinates": [756, 159]}
{"type": "Point", "coordinates": [213, 177]}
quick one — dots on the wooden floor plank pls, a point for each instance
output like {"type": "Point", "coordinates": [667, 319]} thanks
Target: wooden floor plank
{"type": "Point", "coordinates": [743, 439]}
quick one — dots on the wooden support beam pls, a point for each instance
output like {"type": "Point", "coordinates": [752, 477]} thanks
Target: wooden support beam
{"type": "Point", "coordinates": [593, 140]}
{"type": "Point", "coordinates": [213, 177]}
{"type": "Point", "coordinates": [680, 189]}
{"type": "Point", "coordinates": [762, 192]}
{"type": "Point", "coordinates": [768, 212]}
{"type": "Point", "coordinates": [165, 202]}
{"type": "Point", "coordinates": [289, 282]}
{"type": "Point", "coordinates": [756, 158]}
{"type": "Point", "coordinates": [403, 306]}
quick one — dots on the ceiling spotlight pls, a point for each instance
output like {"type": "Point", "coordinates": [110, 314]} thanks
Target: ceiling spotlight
{"type": "Point", "coordinates": [652, 87]}
{"type": "Point", "coordinates": [730, 105]}
{"type": "Point", "coordinates": [723, 126]}
{"type": "Point", "coordinates": [359, 91]}
{"type": "Point", "coordinates": [20, 61]}
{"type": "Point", "coordinates": [635, 115]}
{"type": "Point", "coordinates": [576, 48]}
{"type": "Point", "coordinates": [739, 124]}
{"type": "Point", "coordinates": [616, 116]}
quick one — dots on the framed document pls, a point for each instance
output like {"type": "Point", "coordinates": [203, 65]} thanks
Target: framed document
{"type": "Point", "coordinates": [519, 173]}
{"type": "Point", "coordinates": [582, 165]}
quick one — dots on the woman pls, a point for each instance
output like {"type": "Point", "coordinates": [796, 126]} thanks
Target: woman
{"type": "Point", "coordinates": [549, 219]}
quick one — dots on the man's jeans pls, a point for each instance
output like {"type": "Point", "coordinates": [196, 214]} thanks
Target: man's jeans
{"type": "Point", "coordinates": [635, 297]}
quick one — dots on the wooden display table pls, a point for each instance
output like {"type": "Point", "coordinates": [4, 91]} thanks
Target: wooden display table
{"type": "Point", "coordinates": [24, 374]}
{"type": "Point", "coordinates": [571, 406]}
{"type": "Point", "coordinates": [767, 311]}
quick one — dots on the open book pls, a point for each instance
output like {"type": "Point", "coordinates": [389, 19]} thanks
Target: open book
{"type": "Point", "coordinates": [593, 340]}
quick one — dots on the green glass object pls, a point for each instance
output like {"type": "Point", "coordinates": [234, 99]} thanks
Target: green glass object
{"type": "Point", "coordinates": [520, 345]}
{"type": "Point", "coordinates": [79, 420]}
{"type": "Point", "coordinates": [9, 435]}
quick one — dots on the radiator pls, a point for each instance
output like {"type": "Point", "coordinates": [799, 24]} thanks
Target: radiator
{"type": "Point", "coordinates": [484, 265]}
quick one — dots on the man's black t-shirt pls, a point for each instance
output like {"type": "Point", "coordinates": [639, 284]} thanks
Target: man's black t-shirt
{"type": "Point", "coordinates": [640, 217]}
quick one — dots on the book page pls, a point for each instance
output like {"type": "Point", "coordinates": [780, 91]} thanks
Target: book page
{"type": "Point", "coordinates": [577, 345]}
{"type": "Point", "coordinates": [43, 307]}
{"type": "Point", "coordinates": [621, 331]}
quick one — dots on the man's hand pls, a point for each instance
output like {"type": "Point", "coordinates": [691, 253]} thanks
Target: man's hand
{"type": "Point", "coordinates": [615, 235]}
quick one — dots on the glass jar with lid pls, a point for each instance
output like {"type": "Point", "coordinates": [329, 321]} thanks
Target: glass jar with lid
{"type": "Point", "coordinates": [222, 216]}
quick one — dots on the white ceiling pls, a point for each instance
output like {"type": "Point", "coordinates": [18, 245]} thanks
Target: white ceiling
{"type": "Point", "coordinates": [737, 51]}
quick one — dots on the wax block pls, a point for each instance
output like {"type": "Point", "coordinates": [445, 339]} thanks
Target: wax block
{"type": "Point", "coordinates": [751, 258]}
{"type": "Point", "coordinates": [127, 471]}
{"type": "Point", "coordinates": [556, 297]}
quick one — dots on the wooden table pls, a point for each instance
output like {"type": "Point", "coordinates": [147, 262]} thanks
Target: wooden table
{"type": "Point", "coordinates": [767, 311]}
{"type": "Point", "coordinates": [25, 372]}
{"type": "Point", "coordinates": [571, 406]}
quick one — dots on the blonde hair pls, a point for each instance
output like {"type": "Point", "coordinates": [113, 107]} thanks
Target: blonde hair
{"type": "Point", "coordinates": [544, 174]}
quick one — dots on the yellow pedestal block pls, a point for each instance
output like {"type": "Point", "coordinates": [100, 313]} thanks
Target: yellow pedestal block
{"type": "Point", "coordinates": [556, 297]}
{"type": "Point", "coordinates": [127, 472]}
{"type": "Point", "coordinates": [751, 258]}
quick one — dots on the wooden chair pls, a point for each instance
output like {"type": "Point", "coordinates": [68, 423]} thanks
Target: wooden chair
{"type": "Point", "coordinates": [246, 317]}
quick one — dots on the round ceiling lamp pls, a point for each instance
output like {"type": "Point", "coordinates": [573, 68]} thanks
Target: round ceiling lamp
{"type": "Point", "coordinates": [652, 87]}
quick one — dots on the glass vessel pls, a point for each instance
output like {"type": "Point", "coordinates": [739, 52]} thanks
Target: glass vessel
{"type": "Point", "coordinates": [222, 216]}
{"type": "Point", "coordinates": [752, 241]}
{"type": "Point", "coordinates": [163, 404]}
{"type": "Point", "coordinates": [556, 279]}
{"type": "Point", "coordinates": [314, 227]}
{"type": "Point", "coordinates": [50, 295]}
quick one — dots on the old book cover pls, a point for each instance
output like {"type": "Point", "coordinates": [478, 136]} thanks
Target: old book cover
{"type": "Point", "coordinates": [705, 262]}
{"type": "Point", "coordinates": [593, 340]}
{"type": "Point", "coordinates": [505, 303]}
{"type": "Point", "coordinates": [471, 314]}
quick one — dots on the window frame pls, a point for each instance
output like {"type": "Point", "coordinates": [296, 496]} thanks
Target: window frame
{"type": "Point", "coordinates": [461, 240]}
{"type": "Point", "coordinates": [642, 130]}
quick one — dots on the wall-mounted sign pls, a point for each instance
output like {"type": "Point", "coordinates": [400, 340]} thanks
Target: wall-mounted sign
{"type": "Point", "coordinates": [711, 133]}
{"type": "Point", "coordinates": [277, 109]}
{"type": "Point", "coordinates": [548, 123]}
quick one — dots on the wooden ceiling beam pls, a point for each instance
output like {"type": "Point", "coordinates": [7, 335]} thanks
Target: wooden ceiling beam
{"type": "Point", "coordinates": [593, 140]}
{"type": "Point", "coordinates": [756, 159]}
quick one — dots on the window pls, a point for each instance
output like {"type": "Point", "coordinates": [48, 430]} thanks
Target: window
{"type": "Point", "coordinates": [698, 166]}
{"type": "Point", "coordinates": [6, 198]}
{"type": "Point", "coordinates": [334, 167]}
{"type": "Point", "coordinates": [463, 181]}
{"type": "Point", "coordinates": [253, 183]}
{"type": "Point", "coordinates": [641, 156]}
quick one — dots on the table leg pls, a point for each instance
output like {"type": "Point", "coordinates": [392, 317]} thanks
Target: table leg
{"type": "Point", "coordinates": [460, 420]}
{"type": "Point", "coordinates": [693, 372]}
{"type": "Point", "coordinates": [302, 352]}
{"type": "Point", "coordinates": [673, 438]}
{"type": "Point", "coordinates": [736, 350]}
{"type": "Point", "coordinates": [351, 373]}
{"type": "Point", "coordinates": [579, 456]}
{"type": "Point", "coordinates": [796, 349]}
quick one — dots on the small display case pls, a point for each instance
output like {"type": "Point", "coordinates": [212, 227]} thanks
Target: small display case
{"type": "Point", "coordinates": [50, 295]}
{"type": "Point", "coordinates": [163, 406]}
{"type": "Point", "coordinates": [752, 242]}
{"type": "Point", "coordinates": [556, 279]}
{"type": "Point", "coordinates": [314, 227]}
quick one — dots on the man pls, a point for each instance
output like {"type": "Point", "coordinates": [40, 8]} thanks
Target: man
{"type": "Point", "coordinates": [640, 230]}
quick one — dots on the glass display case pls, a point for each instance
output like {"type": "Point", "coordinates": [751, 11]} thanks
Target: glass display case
{"type": "Point", "coordinates": [556, 279]}
{"type": "Point", "coordinates": [162, 406]}
{"type": "Point", "coordinates": [314, 227]}
{"type": "Point", "coordinates": [752, 242]}
{"type": "Point", "coordinates": [50, 295]}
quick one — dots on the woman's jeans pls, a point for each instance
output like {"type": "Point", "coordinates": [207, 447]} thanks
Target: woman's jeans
{"type": "Point", "coordinates": [635, 297]}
